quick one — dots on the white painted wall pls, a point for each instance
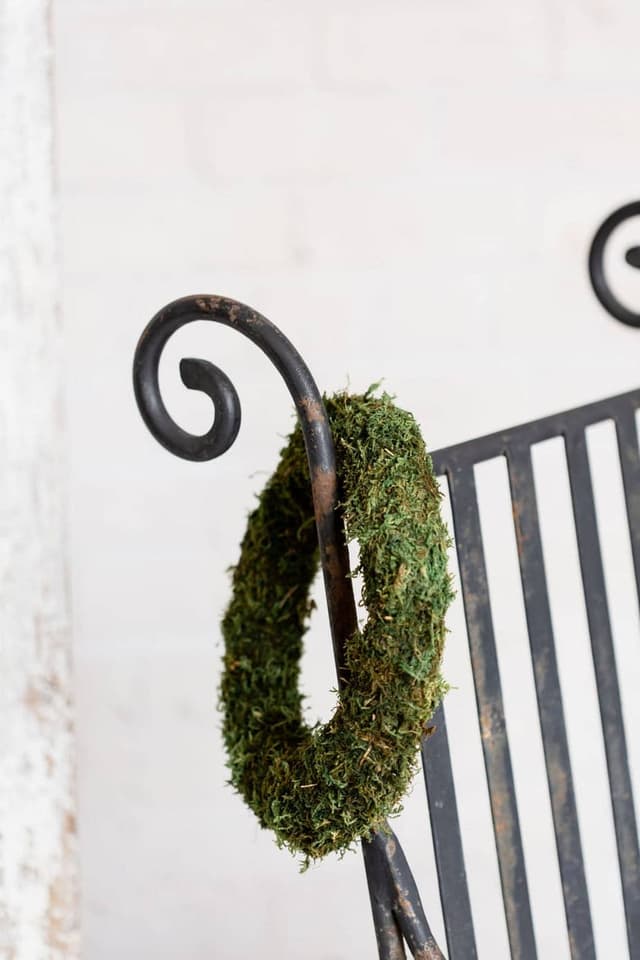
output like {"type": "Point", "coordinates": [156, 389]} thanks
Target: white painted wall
{"type": "Point", "coordinates": [38, 891]}
{"type": "Point", "coordinates": [408, 189]}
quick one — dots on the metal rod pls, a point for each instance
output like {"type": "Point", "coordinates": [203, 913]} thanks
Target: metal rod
{"type": "Point", "coordinates": [204, 376]}
{"type": "Point", "coordinates": [495, 743]}
{"type": "Point", "coordinates": [393, 890]}
{"type": "Point", "coordinates": [469, 452]}
{"type": "Point", "coordinates": [604, 662]}
{"type": "Point", "coordinates": [630, 466]}
{"type": "Point", "coordinates": [447, 841]}
{"type": "Point", "coordinates": [549, 699]}
{"type": "Point", "coordinates": [457, 462]}
{"type": "Point", "coordinates": [388, 872]}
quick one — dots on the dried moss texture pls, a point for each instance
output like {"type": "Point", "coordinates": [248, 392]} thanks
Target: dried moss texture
{"type": "Point", "coordinates": [320, 788]}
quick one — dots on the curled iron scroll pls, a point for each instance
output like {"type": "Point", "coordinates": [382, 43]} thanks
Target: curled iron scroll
{"type": "Point", "coordinates": [205, 376]}
{"type": "Point", "coordinates": [397, 910]}
{"type": "Point", "coordinates": [597, 272]}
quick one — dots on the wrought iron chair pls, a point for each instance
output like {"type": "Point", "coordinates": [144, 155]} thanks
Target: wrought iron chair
{"type": "Point", "coordinates": [457, 464]}
{"type": "Point", "coordinates": [398, 914]}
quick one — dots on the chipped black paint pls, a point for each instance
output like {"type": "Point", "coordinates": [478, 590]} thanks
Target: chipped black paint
{"type": "Point", "coordinates": [457, 464]}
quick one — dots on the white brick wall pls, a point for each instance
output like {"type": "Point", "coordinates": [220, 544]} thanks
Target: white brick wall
{"type": "Point", "coordinates": [409, 190]}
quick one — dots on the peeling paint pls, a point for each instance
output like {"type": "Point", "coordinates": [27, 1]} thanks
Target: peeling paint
{"type": "Point", "coordinates": [38, 896]}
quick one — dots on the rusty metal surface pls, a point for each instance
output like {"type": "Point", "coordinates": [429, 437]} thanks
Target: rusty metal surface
{"type": "Point", "coordinates": [457, 464]}
{"type": "Point", "coordinates": [398, 911]}
{"type": "Point", "coordinates": [627, 434]}
{"type": "Point", "coordinates": [550, 709]}
{"type": "Point", "coordinates": [495, 744]}
{"type": "Point", "coordinates": [607, 683]}
{"type": "Point", "coordinates": [445, 830]}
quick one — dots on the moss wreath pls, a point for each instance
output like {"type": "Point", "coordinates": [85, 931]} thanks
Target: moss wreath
{"type": "Point", "coordinates": [320, 788]}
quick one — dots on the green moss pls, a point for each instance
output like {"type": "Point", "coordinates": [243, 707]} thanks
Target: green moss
{"type": "Point", "coordinates": [321, 788]}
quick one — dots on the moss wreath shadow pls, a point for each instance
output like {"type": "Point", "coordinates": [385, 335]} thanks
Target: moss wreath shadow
{"type": "Point", "coordinates": [322, 787]}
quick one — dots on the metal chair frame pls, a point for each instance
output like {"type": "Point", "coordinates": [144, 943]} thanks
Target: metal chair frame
{"type": "Point", "coordinates": [399, 917]}
{"type": "Point", "coordinates": [456, 463]}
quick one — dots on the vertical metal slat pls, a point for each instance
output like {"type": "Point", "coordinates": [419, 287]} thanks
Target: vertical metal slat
{"type": "Point", "coordinates": [549, 697]}
{"type": "Point", "coordinates": [491, 714]}
{"type": "Point", "coordinates": [388, 934]}
{"type": "Point", "coordinates": [447, 842]}
{"type": "Point", "coordinates": [630, 465]}
{"type": "Point", "coordinates": [607, 682]}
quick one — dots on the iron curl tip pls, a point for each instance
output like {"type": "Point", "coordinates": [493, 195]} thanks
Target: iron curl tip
{"type": "Point", "coordinates": [597, 257]}
{"type": "Point", "coordinates": [632, 257]}
{"type": "Point", "coordinates": [206, 377]}
{"type": "Point", "coordinates": [196, 375]}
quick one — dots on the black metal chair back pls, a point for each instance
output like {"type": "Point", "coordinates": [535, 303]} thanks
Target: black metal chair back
{"type": "Point", "coordinates": [457, 463]}
{"type": "Point", "coordinates": [398, 914]}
